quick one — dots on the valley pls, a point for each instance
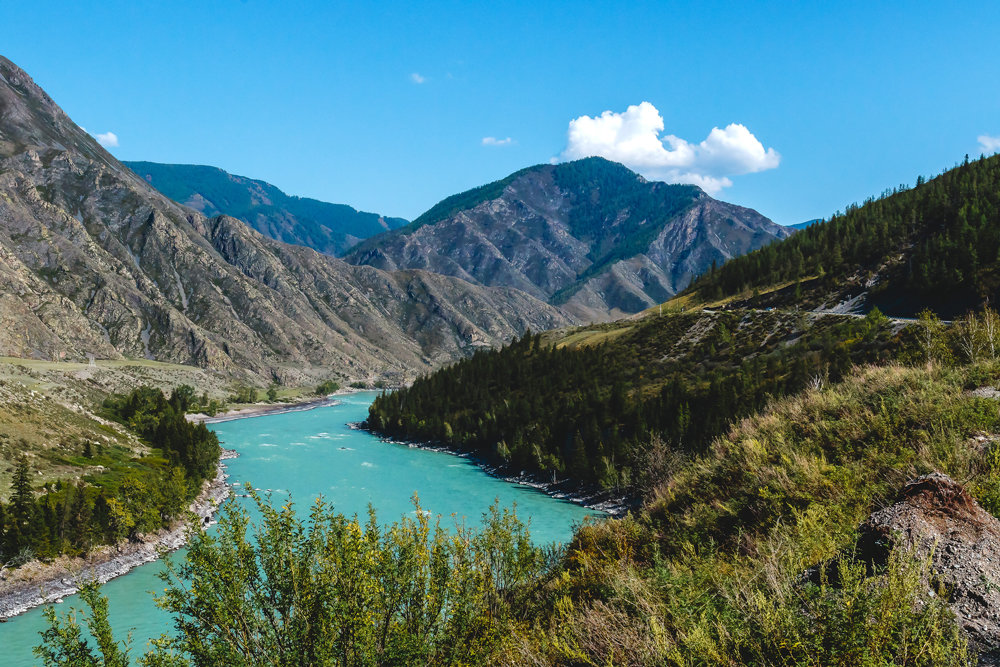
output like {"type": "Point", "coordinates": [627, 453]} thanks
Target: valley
{"type": "Point", "coordinates": [589, 413]}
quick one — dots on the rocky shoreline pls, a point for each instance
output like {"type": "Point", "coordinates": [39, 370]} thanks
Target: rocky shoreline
{"type": "Point", "coordinates": [37, 583]}
{"type": "Point", "coordinates": [565, 489]}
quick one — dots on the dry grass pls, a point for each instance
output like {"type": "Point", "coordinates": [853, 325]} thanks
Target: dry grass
{"type": "Point", "coordinates": [595, 335]}
{"type": "Point", "coordinates": [711, 571]}
{"type": "Point", "coordinates": [693, 301]}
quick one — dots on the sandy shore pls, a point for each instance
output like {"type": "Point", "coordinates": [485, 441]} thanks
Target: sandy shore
{"type": "Point", "coordinates": [262, 409]}
{"type": "Point", "coordinates": [38, 583]}
{"type": "Point", "coordinates": [565, 489]}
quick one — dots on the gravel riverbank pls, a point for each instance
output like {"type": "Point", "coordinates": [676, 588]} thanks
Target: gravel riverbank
{"type": "Point", "coordinates": [262, 409]}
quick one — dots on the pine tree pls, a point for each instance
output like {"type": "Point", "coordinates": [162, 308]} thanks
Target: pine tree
{"type": "Point", "coordinates": [22, 506]}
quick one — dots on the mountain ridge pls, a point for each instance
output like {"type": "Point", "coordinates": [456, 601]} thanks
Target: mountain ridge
{"type": "Point", "coordinates": [933, 245]}
{"type": "Point", "coordinates": [329, 228]}
{"type": "Point", "coordinates": [98, 262]}
{"type": "Point", "coordinates": [590, 236]}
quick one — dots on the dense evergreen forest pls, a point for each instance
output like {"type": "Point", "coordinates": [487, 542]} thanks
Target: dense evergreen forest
{"type": "Point", "coordinates": [934, 245]}
{"type": "Point", "coordinates": [588, 411]}
{"type": "Point", "coordinates": [127, 496]}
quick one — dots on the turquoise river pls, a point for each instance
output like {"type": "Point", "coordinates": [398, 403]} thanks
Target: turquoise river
{"type": "Point", "coordinates": [313, 453]}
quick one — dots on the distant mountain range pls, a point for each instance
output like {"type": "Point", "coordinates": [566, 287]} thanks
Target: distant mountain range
{"type": "Point", "coordinates": [96, 261]}
{"type": "Point", "coordinates": [807, 223]}
{"type": "Point", "coordinates": [329, 228]}
{"type": "Point", "coordinates": [590, 236]}
{"type": "Point", "coordinates": [93, 260]}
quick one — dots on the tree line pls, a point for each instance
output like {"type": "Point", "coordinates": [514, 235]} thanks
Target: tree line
{"type": "Point", "coordinates": [587, 412]}
{"type": "Point", "coordinates": [947, 231]}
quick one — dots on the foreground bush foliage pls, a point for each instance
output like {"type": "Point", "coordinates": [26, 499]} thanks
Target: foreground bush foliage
{"type": "Point", "coordinates": [328, 590]}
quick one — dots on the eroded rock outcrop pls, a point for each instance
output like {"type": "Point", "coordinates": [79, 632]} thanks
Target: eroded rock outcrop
{"type": "Point", "coordinates": [937, 519]}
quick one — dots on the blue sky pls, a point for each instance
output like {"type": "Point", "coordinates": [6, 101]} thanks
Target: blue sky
{"type": "Point", "coordinates": [386, 106]}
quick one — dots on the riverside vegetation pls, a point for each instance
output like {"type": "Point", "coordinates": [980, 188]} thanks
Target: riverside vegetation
{"type": "Point", "coordinates": [328, 590]}
{"type": "Point", "coordinates": [126, 496]}
{"type": "Point", "coordinates": [587, 406]}
{"type": "Point", "coordinates": [709, 569]}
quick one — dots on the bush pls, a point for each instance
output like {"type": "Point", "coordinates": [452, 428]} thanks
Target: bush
{"type": "Point", "coordinates": [328, 589]}
{"type": "Point", "coordinates": [326, 388]}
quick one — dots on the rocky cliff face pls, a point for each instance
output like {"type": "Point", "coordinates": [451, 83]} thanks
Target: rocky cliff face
{"type": "Point", "coordinates": [95, 261]}
{"type": "Point", "coordinates": [590, 236]}
{"type": "Point", "coordinates": [331, 229]}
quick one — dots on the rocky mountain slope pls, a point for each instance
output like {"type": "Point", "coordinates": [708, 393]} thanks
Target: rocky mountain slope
{"type": "Point", "coordinates": [590, 236]}
{"type": "Point", "coordinates": [93, 260]}
{"type": "Point", "coordinates": [329, 228]}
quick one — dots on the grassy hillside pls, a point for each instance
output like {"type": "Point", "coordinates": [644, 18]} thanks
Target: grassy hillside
{"type": "Point", "coordinates": [709, 571]}
{"type": "Point", "coordinates": [48, 412]}
{"type": "Point", "coordinates": [139, 465]}
{"type": "Point", "coordinates": [934, 245]}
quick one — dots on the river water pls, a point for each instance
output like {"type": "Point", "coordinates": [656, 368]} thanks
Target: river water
{"type": "Point", "coordinates": [311, 453]}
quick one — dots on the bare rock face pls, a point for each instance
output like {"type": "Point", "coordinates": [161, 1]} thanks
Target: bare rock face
{"type": "Point", "coordinates": [936, 518]}
{"type": "Point", "coordinates": [93, 260]}
{"type": "Point", "coordinates": [589, 236]}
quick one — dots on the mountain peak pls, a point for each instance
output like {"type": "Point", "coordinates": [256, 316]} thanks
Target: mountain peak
{"type": "Point", "coordinates": [590, 235]}
{"type": "Point", "coordinates": [95, 261]}
{"type": "Point", "coordinates": [30, 119]}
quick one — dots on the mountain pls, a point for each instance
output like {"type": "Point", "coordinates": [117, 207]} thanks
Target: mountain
{"type": "Point", "coordinates": [934, 245]}
{"type": "Point", "coordinates": [807, 223]}
{"type": "Point", "coordinates": [590, 236]}
{"type": "Point", "coordinates": [329, 228]}
{"type": "Point", "coordinates": [93, 260]}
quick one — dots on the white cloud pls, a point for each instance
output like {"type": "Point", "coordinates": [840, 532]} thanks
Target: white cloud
{"type": "Point", "coordinates": [989, 144]}
{"type": "Point", "coordinates": [634, 138]}
{"type": "Point", "coordinates": [107, 139]}
{"type": "Point", "coordinates": [493, 141]}
{"type": "Point", "coordinates": [417, 79]}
